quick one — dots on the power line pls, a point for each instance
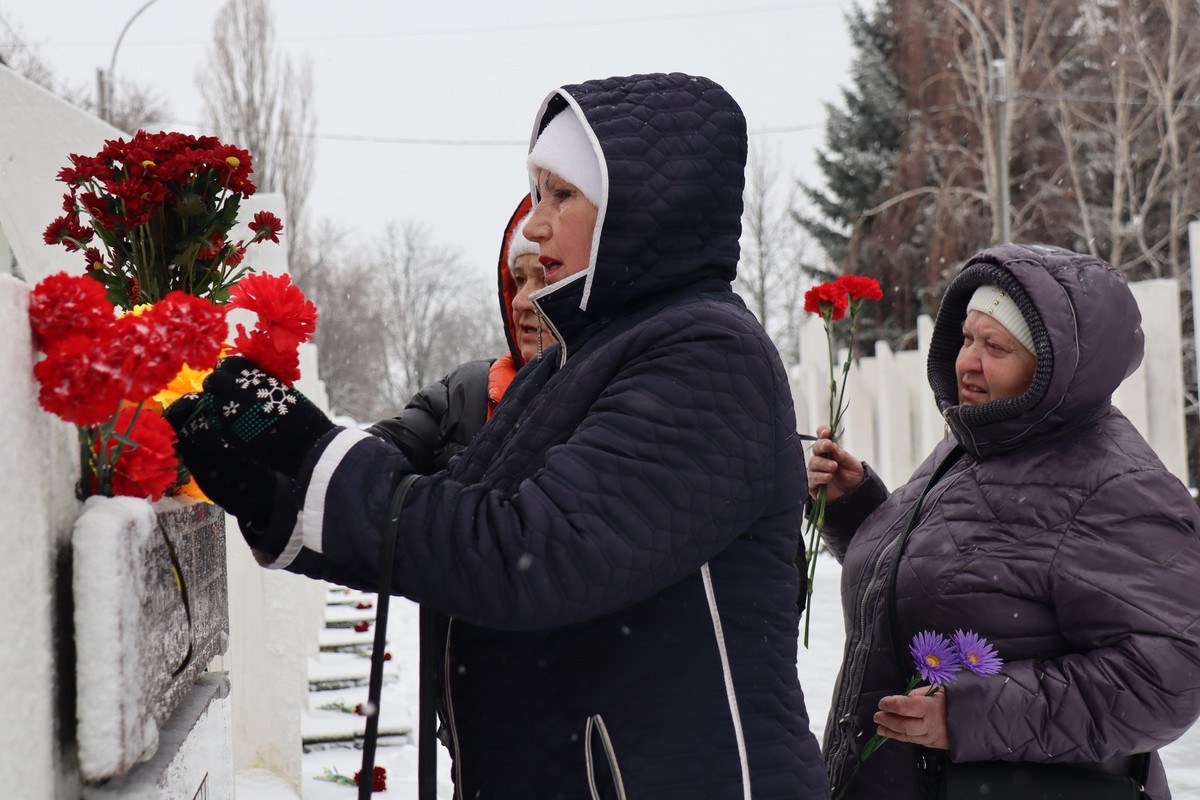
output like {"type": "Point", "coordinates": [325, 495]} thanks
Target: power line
{"type": "Point", "coordinates": [504, 29]}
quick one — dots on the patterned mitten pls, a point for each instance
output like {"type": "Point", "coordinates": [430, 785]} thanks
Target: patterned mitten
{"type": "Point", "coordinates": [262, 416]}
{"type": "Point", "coordinates": [230, 479]}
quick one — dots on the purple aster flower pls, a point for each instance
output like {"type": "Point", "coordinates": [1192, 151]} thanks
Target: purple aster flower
{"type": "Point", "coordinates": [976, 654]}
{"type": "Point", "coordinates": [937, 661]}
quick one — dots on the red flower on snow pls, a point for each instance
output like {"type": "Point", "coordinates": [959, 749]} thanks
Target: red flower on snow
{"type": "Point", "coordinates": [62, 305]}
{"type": "Point", "coordinates": [77, 383]}
{"type": "Point", "coordinates": [148, 467]}
{"type": "Point", "coordinates": [378, 779]}
{"type": "Point", "coordinates": [286, 319]}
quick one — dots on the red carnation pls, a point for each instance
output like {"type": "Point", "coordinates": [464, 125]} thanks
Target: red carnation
{"type": "Point", "coordinates": [378, 782]}
{"type": "Point", "coordinates": [827, 298]}
{"type": "Point", "coordinates": [192, 326]}
{"type": "Point", "coordinates": [148, 467]}
{"type": "Point", "coordinates": [76, 382]}
{"type": "Point", "coordinates": [264, 353]}
{"type": "Point", "coordinates": [860, 287]}
{"type": "Point", "coordinates": [266, 226]}
{"type": "Point", "coordinates": [143, 354]}
{"type": "Point", "coordinates": [286, 319]}
{"type": "Point", "coordinates": [62, 305]}
{"type": "Point", "coordinates": [284, 313]}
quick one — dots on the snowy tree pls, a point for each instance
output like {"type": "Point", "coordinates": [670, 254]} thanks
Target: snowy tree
{"type": "Point", "coordinates": [772, 276]}
{"type": "Point", "coordinates": [260, 100]}
{"type": "Point", "coordinates": [397, 314]}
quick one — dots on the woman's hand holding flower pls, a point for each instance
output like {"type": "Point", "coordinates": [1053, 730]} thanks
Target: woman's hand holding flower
{"type": "Point", "coordinates": [919, 718]}
{"type": "Point", "coordinates": [833, 467]}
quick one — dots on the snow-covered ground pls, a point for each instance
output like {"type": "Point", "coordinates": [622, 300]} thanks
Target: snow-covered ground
{"type": "Point", "coordinates": [817, 666]}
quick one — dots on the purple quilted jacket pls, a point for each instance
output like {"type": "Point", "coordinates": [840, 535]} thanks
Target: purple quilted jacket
{"type": "Point", "coordinates": [1059, 536]}
{"type": "Point", "coordinates": [615, 549]}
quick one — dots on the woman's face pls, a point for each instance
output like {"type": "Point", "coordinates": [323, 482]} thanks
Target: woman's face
{"type": "Point", "coordinates": [992, 364]}
{"type": "Point", "coordinates": [529, 276]}
{"type": "Point", "coordinates": [562, 223]}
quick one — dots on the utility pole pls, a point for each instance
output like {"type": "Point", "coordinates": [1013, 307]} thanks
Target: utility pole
{"type": "Point", "coordinates": [998, 82]}
{"type": "Point", "coordinates": [104, 80]}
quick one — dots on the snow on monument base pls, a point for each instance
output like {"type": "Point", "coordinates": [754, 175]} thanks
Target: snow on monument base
{"type": "Point", "coordinates": [151, 612]}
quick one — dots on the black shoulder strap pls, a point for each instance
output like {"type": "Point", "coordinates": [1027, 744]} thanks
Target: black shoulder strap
{"type": "Point", "coordinates": [375, 682]}
{"type": "Point", "coordinates": [893, 612]}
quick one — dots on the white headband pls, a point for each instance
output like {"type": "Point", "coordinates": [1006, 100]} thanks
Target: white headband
{"type": "Point", "coordinates": [518, 245]}
{"type": "Point", "coordinates": [993, 301]}
{"type": "Point", "coordinates": [565, 149]}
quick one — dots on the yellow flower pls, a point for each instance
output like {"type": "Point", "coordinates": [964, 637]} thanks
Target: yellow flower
{"type": "Point", "coordinates": [188, 380]}
{"type": "Point", "coordinates": [192, 490]}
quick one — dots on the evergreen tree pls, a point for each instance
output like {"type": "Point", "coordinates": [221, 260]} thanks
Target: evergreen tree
{"type": "Point", "coordinates": [861, 140]}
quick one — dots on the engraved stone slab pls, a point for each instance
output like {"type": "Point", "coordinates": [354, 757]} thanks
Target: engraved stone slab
{"type": "Point", "coordinates": [151, 612]}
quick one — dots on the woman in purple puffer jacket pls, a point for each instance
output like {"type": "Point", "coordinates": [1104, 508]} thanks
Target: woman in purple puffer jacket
{"type": "Point", "coordinates": [1053, 530]}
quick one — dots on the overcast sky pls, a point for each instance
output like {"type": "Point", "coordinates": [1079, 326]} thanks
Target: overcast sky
{"type": "Point", "coordinates": [393, 77]}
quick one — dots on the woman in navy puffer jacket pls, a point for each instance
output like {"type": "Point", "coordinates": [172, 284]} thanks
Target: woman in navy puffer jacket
{"type": "Point", "coordinates": [616, 546]}
{"type": "Point", "coordinates": [1058, 535]}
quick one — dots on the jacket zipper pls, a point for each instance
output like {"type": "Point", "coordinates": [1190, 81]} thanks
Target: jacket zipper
{"type": "Point", "coordinates": [562, 345]}
{"type": "Point", "coordinates": [844, 708]}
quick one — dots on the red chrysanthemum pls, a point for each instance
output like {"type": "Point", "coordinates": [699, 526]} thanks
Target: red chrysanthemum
{"type": "Point", "coordinates": [860, 287]}
{"type": "Point", "coordinates": [378, 780]}
{"type": "Point", "coordinates": [148, 467]}
{"type": "Point", "coordinates": [68, 231]}
{"type": "Point", "coordinates": [827, 299]}
{"type": "Point", "coordinates": [62, 305]}
{"type": "Point", "coordinates": [76, 382]}
{"type": "Point", "coordinates": [266, 226]}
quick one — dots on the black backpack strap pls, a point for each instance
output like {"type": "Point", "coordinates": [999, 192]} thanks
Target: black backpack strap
{"type": "Point", "coordinates": [375, 684]}
{"type": "Point", "coordinates": [893, 613]}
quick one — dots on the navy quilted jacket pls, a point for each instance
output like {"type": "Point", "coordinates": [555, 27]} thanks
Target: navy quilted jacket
{"type": "Point", "coordinates": [616, 547]}
{"type": "Point", "coordinates": [1059, 536]}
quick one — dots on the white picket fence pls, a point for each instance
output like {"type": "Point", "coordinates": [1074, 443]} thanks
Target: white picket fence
{"type": "Point", "coordinates": [892, 422]}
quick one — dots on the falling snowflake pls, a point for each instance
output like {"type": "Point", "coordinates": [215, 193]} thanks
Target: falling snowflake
{"type": "Point", "coordinates": [276, 397]}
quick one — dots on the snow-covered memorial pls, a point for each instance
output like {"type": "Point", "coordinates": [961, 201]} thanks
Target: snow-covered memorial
{"type": "Point", "coordinates": [145, 654]}
{"type": "Point", "coordinates": [142, 657]}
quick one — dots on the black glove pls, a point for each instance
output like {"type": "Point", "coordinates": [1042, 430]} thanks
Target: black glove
{"type": "Point", "coordinates": [262, 416]}
{"type": "Point", "coordinates": [230, 479]}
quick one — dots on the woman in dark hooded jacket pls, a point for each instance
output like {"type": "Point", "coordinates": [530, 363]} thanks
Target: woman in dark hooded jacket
{"type": "Point", "coordinates": [616, 547]}
{"type": "Point", "coordinates": [1053, 531]}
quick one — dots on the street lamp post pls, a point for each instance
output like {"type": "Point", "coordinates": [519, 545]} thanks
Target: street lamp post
{"type": "Point", "coordinates": [104, 80]}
